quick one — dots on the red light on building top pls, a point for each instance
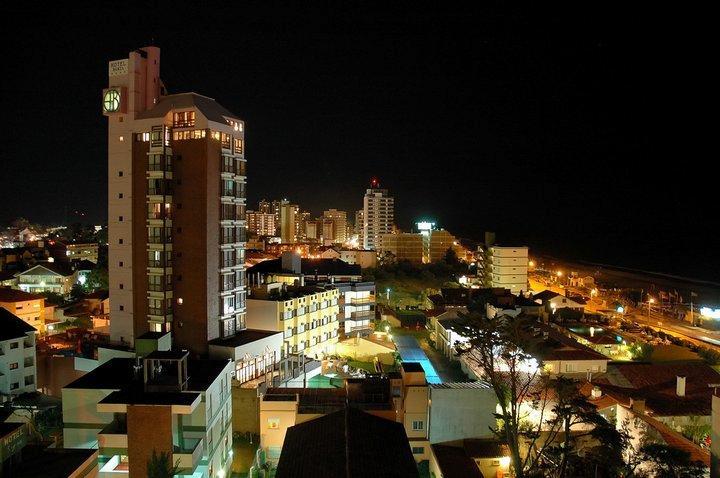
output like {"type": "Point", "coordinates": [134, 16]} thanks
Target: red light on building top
{"type": "Point", "coordinates": [374, 183]}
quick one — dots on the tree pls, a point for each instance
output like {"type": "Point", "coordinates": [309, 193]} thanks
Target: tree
{"type": "Point", "coordinates": [53, 298]}
{"type": "Point", "coordinates": [77, 292]}
{"type": "Point", "coordinates": [669, 462]}
{"type": "Point", "coordinates": [97, 279]}
{"type": "Point", "coordinates": [160, 465]}
{"type": "Point", "coordinates": [542, 420]}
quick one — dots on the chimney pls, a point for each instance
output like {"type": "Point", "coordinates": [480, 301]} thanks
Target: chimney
{"type": "Point", "coordinates": [637, 405]}
{"type": "Point", "coordinates": [680, 387]}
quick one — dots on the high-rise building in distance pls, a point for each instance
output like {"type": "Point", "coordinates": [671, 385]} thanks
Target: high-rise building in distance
{"type": "Point", "coordinates": [176, 209]}
{"type": "Point", "coordinates": [288, 213]}
{"type": "Point", "coordinates": [378, 215]}
{"type": "Point", "coordinates": [338, 219]}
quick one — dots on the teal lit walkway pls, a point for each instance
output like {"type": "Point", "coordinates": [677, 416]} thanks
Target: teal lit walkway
{"type": "Point", "coordinates": [410, 351]}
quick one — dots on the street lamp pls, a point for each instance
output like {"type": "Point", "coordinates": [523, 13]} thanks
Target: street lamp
{"type": "Point", "coordinates": [387, 292]}
{"type": "Point", "coordinates": [650, 302]}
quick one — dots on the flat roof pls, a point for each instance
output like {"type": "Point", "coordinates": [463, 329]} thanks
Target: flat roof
{"type": "Point", "coordinates": [243, 337]}
{"type": "Point", "coordinates": [51, 462]}
{"type": "Point", "coordinates": [119, 373]}
{"type": "Point", "coordinates": [135, 397]}
{"type": "Point", "coordinates": [412, 367]}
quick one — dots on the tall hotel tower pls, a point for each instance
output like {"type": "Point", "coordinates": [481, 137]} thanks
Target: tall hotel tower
{"type": "Point", "coordinates": [176, 209]}
{"type": "Point", "coordinates": [378, 215]}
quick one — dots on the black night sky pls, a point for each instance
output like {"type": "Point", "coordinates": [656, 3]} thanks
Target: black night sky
{"type": "Point", "coordinates": [577, 130]}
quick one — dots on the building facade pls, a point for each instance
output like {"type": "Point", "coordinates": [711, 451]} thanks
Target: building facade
{"type": "Point", "coordinates": [18, 367]}
{"type": "Point", "coordinates": [404, 246]}
{"type": "Point", "coordinates": [378, 215]}
{"type": "Point", "coordinates": [188, 402]}
{"type": "Point", "coordinates": [260, 223]}
{"type": "Point", "coordinates": [338, 221]}
{"type": "Point", "coordinates": [28, 307]}
{"type": "Point", "coordinates": [506, 267]}
{"type": "Point", "coordinates": [171, 160]}
{"type": "Point", "coordinates": [288, 212]}
{"type": "Point", "coordinates": [307, 316]}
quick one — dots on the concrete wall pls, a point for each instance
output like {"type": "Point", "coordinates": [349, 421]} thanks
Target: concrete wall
{"type": "Point", "coordinates": [457, 413]}
{"type": "Point", "coordinates": [715, 435]}
{"type": "Point", "coordinates": [245, 409]}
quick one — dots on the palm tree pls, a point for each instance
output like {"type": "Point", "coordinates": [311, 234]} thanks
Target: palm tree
{"type": "Point", "coordinates": [160, 465]}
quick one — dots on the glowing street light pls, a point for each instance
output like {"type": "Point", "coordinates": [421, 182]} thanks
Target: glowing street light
{"type": "Point", "coordinates": [387, 292]}
{"type": "Point", "coordinates": [650, 302]}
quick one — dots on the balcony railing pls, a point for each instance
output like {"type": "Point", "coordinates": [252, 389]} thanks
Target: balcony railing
{"type": "Point", "coordinates": [160, 311]}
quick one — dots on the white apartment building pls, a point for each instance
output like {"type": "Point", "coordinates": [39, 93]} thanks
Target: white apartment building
{"type": "Point", "coordinates": [18, 372]}
{"type": "Point", "coordinates": [378, 215]}
{"type": "Point", "coordinates": [507, 267]}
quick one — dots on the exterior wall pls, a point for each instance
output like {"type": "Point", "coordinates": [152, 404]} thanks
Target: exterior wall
{"type": "Point", "coordinates": [365, 259]}
{"type": "Point", "coordinates": [571, 367]}
{"type": "Point", "coordinates": [458, 413]}
{"type": "Point", "coordinates": [416, 410]}
{"type": "Point", "coordinates": [275, 418]}
{"type": "Point", "coordinates": [81, 420]}
{"type": "Point", "coordinates": [18, 367]}
{"type": "Point", "coordinates": [143, 440]}
{"type": "Point", "coordinates": [404, 246]}
{"type": "Point", "coordinates": [440, 242]}
{"type": "Point", "coordinates": [507, 267]}
{"type": "Point", "coordinates": [245, 409]}
{"type": "Point", "coordinates": [31, 311]}
{"type": "Point", "coordinates": [378, 217]}
{"type": "Point", "coordinates": [295, 317]}
{"type": "Point", "coordinates": [80, 252]}
{"type": "Point", "coordinates": [141, 89]}
{"type": "Point", "coordinates": [39, 279]}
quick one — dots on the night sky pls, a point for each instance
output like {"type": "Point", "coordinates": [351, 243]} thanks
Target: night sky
{"type": "Point", "coordinates": [578, 131]}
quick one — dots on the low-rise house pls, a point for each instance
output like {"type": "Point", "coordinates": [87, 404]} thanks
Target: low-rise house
{"type": "Point", "coordinates": [18, 363]}
{"type": "Point", "coordinates": [29, 307]}
{"type": "Point", "coordinates": [470, 458]}
{"type": "Point", "coordinates": [677, 394]}
{"type": "Point", "coordinates": [47, 277]}
{"type": "Point", "coordinates": [553, 302]}
{"type": "Point", "coordinates": [364, 258]}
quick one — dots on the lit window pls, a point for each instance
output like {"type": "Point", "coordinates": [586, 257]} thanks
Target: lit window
{"type": "Point", "coordinates": [418, 425]}
{"type": "Point", "coordinates": [273, 423]}
{"type": "Point", "coordinates": [184, 119]}
{"type": "Point", "coordinates": [180, 301]}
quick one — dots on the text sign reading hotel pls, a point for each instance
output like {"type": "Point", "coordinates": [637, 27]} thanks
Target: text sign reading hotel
{"type": "Point", "coordinates": [118, 67]}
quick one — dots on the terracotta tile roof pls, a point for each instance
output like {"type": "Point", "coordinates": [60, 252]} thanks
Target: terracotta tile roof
{"type": "Point", "coordinates": [676, 440]}
{"type": "Point", "coordinates": [14, 295]}
{"type": "Point", "coordinates": [657, 384]}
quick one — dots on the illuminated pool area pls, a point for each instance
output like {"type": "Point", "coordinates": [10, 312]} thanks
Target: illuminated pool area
{"type": "Point", "coordinates": [410, 351]}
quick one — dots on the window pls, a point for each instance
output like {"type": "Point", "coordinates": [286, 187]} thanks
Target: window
{"type": "Point", "coordinates": [120, 264]}
{"type": "Point", "coordinates": [120, 195]}
{"type": "Point", "coordinates": [120, 241]}
{"type": "Point", "coordinates": [120, 173]}
{"type": "Point", "coordinates": [14, 386]}
{"type": "Point", "coordinates": [29, 380]}
{"type": "Point", "coordinates": [120, 219]}
{"type": "Point", "coordinates": [238, 143]}
{"type": "Point", "coordinates": [14, 345]}
{"type": "Point", "coordinates": [418, 425]}
{"type": "Point", "coordinates": [418, 450]}
{"type": "Point", "coordinates": [184, 119]}
{"type": "Point", "coordinates": [121, 286]}
{"type": "Point", "coordinates": [14, 366]}
{"type": "Point", "coordinates": [122, 307]}
{"type": "Point", "coordinates": [273, 423]}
